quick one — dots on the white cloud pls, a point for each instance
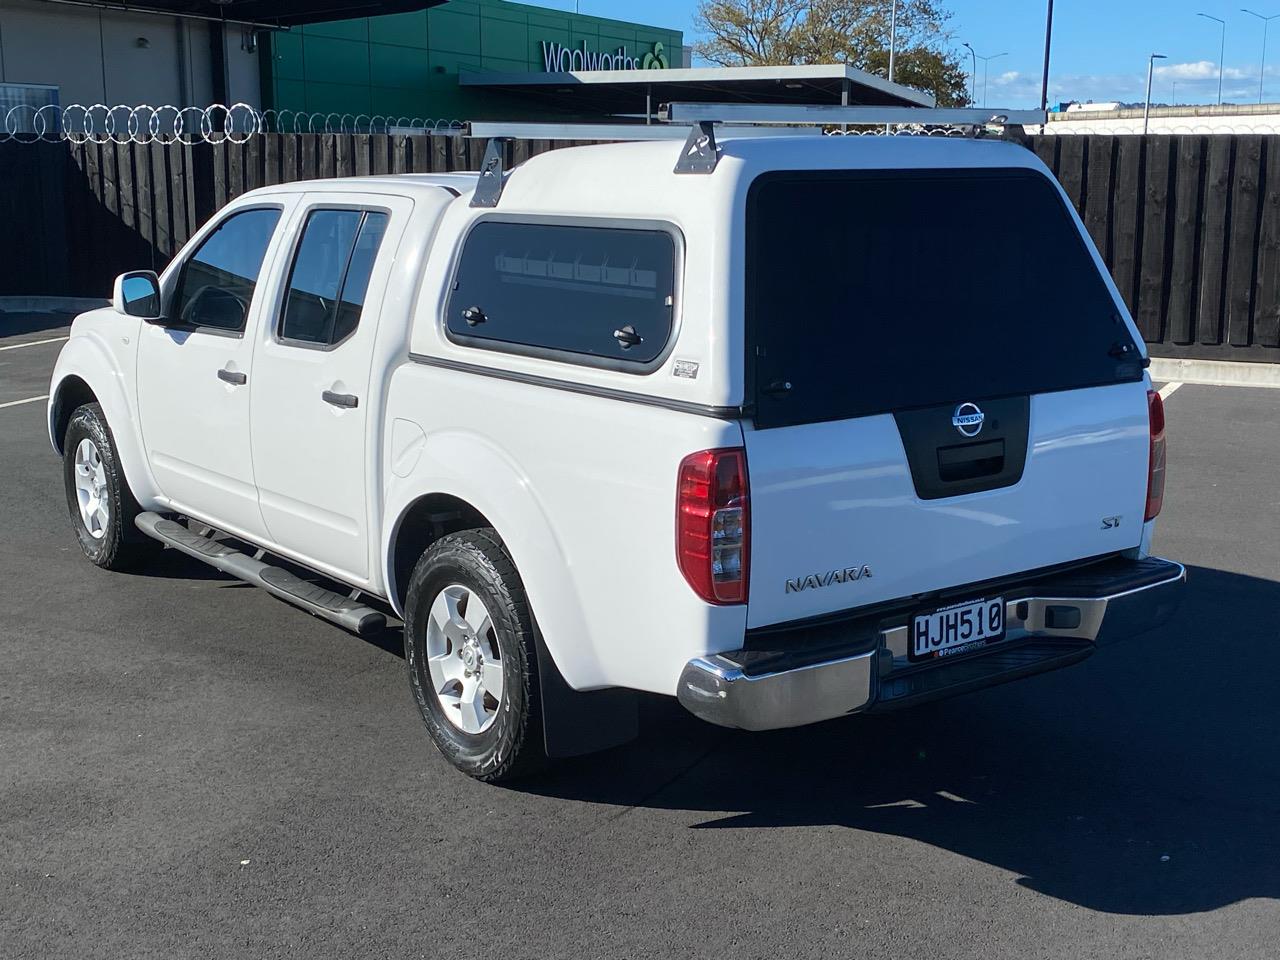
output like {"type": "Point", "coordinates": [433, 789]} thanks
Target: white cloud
{"type": "Point", "coordinates": [1199, 70]}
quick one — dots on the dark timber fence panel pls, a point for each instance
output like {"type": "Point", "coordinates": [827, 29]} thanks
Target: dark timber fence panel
{"type": "Point", "coordinates": [1188, 225]}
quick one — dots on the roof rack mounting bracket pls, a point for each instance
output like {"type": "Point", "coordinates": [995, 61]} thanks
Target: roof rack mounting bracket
{"type": "Point", "coordinates": [492, 174]}
{"type": "Point", "coordinates": [701, 152]}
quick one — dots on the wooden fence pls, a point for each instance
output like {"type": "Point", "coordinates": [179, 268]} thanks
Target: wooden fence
{"type": "Point", "coordinates": [1190, 228]}
{"type": "Point", "coordinates": [73, 216]}
{"type": "Point", "coordinates": [1188, 225]}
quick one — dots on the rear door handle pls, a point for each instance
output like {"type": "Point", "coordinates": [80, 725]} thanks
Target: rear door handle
{"type": "Point", "coordinates": [233, 376]}
{"type": "Point", "coordinates": [348, 400]}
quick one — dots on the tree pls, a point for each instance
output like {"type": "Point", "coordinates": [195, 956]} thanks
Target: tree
{"type": "Point", "coordinates": [773, 32]}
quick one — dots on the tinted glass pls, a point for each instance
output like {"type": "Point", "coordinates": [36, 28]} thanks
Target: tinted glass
{"type": "Point", "coordinates": [351, 302]}
{"type": "Point", "coordinates": [330, 275]}
{"type": "Point", "coordinates": [875, 292]}
{"type": "Point", "coordinates": [218, 280]}
{"type": "Point", "coordinates": [566, 289]}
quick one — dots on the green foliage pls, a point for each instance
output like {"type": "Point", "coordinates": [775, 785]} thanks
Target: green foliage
{"type": "Point", "coordinates": [773, 32]}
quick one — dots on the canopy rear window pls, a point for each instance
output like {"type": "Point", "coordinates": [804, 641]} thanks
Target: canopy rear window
{"type": "Point", "coordinates": [875, 291]}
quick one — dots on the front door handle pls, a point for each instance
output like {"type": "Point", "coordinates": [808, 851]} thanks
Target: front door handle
{"type": "Point", "coordinates": [234, 377]}
{"type": "Point", "coordinates": [348, 400]}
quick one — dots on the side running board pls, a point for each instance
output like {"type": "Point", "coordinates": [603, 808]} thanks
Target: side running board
{"type": "Point", "coordinates": [334, 607]}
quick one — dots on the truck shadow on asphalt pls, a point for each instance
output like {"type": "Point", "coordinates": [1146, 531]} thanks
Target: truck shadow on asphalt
{"type": "Point", "coordinates": [1144, 781]}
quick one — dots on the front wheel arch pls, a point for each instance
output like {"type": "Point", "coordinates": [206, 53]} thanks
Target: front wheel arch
{"type": "Point", "coordinates": [72, 394]}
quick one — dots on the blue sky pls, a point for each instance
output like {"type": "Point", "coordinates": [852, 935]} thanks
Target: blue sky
{"type": "Point", "coordinates": [1100, 46]}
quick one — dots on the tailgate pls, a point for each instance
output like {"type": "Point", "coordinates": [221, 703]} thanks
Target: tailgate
{"type": "Point", "coordinates": [946, 388]}
{"type": "Point", "coordinates": [837, 521]}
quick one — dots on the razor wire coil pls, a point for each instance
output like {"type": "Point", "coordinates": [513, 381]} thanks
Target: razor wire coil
{"type": "Point", "coordinates": [239, 122]}
{"type": "Point", "coordinates": [216, 123]}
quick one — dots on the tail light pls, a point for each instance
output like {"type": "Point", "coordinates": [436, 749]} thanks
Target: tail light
{"type": "Point", "coordinates": [713, 524]}
{"type": "Point", "coordinates": [1155, 466]}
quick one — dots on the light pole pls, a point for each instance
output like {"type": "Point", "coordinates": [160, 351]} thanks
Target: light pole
{"type": "Point", "coordinates": [893, 37]}
{"type": "Point", "coordinates": [1262, 71]}
{"type": "Point", "coordinates": [973, 77]}
{"type": "Point", "coordinates": [1222, 49]}
{"type": "Point", "coordinates": [1048, 36]}
{"type": "Point", "coordinates": [1151, 67]}
{"type": "Point", "coordinates": [986, 70]}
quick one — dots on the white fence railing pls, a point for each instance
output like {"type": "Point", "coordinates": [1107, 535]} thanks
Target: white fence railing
{"type": "Point", "coordinates": [1158, 126]}
{"type": "Point", "coordinates": [216, 123]}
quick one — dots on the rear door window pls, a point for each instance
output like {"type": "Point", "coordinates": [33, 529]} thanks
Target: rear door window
{"type": "Point", "coordinates": [602, 296]}
{"type": "Point", "coordinates": [330, 276]}
{"type": "Point", "coordinates": [876, 291]}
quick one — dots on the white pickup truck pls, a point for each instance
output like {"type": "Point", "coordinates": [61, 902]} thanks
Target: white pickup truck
{"type": "Point", "coordinates": [799, 428]}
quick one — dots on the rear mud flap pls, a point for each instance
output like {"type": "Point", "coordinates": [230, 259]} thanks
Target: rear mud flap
{"type": "Point", "coordinates": [573, 722]}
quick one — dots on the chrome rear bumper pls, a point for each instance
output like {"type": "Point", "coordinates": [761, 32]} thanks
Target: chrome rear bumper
{"type": "Point", "coordinates": [1051, 622]}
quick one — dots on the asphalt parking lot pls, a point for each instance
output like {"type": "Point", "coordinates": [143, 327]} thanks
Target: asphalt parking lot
{"type": "Point", "coordinates": [191, 768]}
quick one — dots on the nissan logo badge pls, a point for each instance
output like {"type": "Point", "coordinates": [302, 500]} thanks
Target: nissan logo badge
{"type": "Point", "coordinates": [968, 419]}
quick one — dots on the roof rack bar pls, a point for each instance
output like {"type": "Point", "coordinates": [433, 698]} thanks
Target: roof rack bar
{"type": "Point", "coordinates": [683, 113]}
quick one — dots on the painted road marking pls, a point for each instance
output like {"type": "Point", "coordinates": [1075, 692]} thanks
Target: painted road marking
{"type": "Point", "coordinates": [1167, 390]}
{"type": "Point", "coordinates": [34, 343]}
{"type": "Point", "coordinates": [15, 403]}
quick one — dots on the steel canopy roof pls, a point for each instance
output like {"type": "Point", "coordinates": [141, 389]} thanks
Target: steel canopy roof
{"type": "Point", "coordinates": [605, 92]}
{"type": "Point", "coordinates": [281, 13]}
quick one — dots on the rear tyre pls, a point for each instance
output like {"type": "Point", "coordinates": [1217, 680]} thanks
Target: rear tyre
{"type": "Point", "coordinates": [469, 646]}
{"type": "Point", "coordinates": [101, 506]}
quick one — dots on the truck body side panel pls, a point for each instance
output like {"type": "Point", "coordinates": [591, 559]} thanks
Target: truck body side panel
{"type": "Point", "coordinates": [582, 491]}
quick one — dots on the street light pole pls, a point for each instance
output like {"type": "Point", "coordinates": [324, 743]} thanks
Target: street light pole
{"type": "Point", "coordinates": [1266, 21]}
{"type": "Point", "coordinates": [973, 77]}
{"type": "Point", "coordinates": [1151, 67]}
{"type": "Point", "coordinates": [986, 70]}
{"type": "Point", "coordinates": [1222, 49]}
{"type": "Point", "coordinates": [1048, 36]}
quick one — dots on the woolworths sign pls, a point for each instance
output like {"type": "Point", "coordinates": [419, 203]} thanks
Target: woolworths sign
{"type": "Point", "coordinates": [561, 59]}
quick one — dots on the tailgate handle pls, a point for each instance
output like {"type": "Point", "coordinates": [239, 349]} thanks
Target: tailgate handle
{"type": "Point", "coordinates": [969, 461]}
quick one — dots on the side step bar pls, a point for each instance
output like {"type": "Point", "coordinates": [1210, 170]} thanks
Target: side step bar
{"type": "Point", "coordinates": [334, 607]}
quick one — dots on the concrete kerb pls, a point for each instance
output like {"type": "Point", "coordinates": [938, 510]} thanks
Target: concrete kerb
{"type": "Point", "coordinates": [1225, 373]}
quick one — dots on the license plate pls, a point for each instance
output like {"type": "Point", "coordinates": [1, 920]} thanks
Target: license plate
{"type": "Point", "coordinates": [957, 628]}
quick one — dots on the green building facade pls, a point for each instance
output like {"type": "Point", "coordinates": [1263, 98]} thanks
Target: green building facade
{"type": "Point", "coordinates": [408, 65]}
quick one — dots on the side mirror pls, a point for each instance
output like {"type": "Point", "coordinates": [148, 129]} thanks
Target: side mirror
{"type": "Point", "coordinates": [137, 294]}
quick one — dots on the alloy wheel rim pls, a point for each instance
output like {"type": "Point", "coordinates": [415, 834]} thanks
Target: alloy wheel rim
{"type": "Point", "coordinates": [464, 659]}
{"type": "Point", "coordinates": [91, 489]}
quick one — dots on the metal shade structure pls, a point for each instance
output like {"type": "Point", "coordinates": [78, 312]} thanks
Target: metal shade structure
{"type": "Point", "coordinates": [638, 92]}
{"type": "Point", "coordinates": [262, 13]}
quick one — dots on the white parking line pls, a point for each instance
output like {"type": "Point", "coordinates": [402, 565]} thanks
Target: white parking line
{"type": "Point", "coordinates": [34, 343]}
{"type": "Point", "coordinates": [15, 403]}
{"type": "Point", "coordinates": [1167, 390]}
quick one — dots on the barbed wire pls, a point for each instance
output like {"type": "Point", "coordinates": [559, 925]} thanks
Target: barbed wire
{"type": "Point", "coordinates": [901, 130]}
{"type": "Point", "coordinates": [216, 123]}
{"type": "Point", "coordinates": [238, 122]}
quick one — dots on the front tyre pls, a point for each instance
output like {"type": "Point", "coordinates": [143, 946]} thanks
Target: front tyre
{"type": "Point", "coordinates": [101, 505]}
{"type": "Point", "coordinates": [469, 645]}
